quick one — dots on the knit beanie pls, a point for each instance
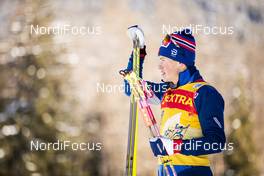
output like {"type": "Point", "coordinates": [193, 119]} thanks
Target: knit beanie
{"type": "Point", "coordinates": [179, 46]}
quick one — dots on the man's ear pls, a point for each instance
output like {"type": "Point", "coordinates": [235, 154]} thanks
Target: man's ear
{"type": "Point", "coordinates": [182, 67]}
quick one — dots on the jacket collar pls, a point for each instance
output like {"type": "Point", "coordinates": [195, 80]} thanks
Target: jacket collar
{"type": "Point", "coordinates": [191, 74]}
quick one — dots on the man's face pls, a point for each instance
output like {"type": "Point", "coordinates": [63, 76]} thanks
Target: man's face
{"type": "Point", "coordinates": [170, 69]}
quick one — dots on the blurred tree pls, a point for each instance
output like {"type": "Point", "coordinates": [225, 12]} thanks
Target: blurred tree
{"type": "Point", "coordinates": [33, 101]}
{"type": "Point", "coordinates": [242, 160]}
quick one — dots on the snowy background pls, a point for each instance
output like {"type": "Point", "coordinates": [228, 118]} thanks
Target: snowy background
{"type": "Point", "coordinates": [231, 63]}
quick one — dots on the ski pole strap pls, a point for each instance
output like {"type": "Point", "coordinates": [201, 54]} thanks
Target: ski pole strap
{"type": "Point", "coordinates": [142, 93]}
{"type": "Point", "coordinates": [138, 85]}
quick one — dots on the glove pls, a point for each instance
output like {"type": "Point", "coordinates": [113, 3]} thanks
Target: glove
{"type": "Point", "coordinates": [134, 33]}
{"type": "Point", "coordinates": [161, 146]}
{"type": "Point", "coordinates": [143, 53]}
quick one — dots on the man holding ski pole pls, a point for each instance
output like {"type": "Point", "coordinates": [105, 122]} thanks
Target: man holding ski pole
{"type": "Point", "coordinates": [192, 111]}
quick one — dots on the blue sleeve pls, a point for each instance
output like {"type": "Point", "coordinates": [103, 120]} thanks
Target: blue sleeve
{"type": "Point", "coordinates": [130, 67]}
{"type": "Point", "coordinates": [210, 108]}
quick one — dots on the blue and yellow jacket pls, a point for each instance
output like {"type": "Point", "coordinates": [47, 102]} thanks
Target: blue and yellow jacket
{"type": "Point", "coordinates": [192, 111]}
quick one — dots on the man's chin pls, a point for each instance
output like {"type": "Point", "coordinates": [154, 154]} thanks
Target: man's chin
{"type": "Point", "coordinates": [164, 79]}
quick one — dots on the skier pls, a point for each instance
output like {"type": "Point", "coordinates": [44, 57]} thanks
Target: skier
{"type": "Point", "coordinates": [192, 118]}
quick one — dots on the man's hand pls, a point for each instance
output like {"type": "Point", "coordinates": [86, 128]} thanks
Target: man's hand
{"type": "Point", "coordinates": [134, 33]}
{"type": "Point", "coordinates": [164, 146]}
